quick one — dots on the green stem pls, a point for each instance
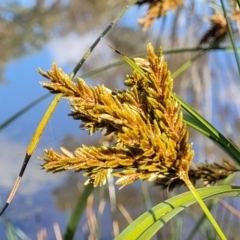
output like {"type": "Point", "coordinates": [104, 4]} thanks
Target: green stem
{"type": "Point", "coordinates": [86, 55]}
{"type": "Point", "coordinates": [77, 213]}
{"type": "Point", "coordinates": [187, 64]}
{"type": "Point", "coordinates": [200, 222]}
{"type": "Point", "coordinates": [212, 220]}
{"type": "Point", "coordinates": [146, 195]}
{"type": "Point", "coordinates": [231, 35]}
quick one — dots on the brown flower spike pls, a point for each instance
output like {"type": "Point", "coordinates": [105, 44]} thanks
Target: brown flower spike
{"type": "Point", "coordinates": [146, 119]}
{"type": "Point", "coordinates": [156, 9]}
{"type": "Point", "coordinates": [209, 174]}
{"type": "Point", "coordinates": [217, 30]}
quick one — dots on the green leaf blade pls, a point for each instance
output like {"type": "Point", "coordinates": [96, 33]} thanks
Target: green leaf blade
{"type": "Point", "coordinates": [151, 221]}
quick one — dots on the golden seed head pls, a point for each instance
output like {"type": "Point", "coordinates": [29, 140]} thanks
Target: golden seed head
{"type": "Point", "coordinates": [151, 137]}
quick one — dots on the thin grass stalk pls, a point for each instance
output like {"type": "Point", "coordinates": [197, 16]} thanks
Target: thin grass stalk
{"type": "Point", "coordinates": [9, 231]}
{"type": "Point", "coordinates": [200, 221]}
{"type": "Point", "coordinates": [212, 220]}
{"type": "Point", "coordinates": [210, 207]}
{"type": "Point", "coordinates": [100, 211]}
{"type": "Point", "coordinates": [187, 64]}
{"type": "Point", "coordinates": [146, 195]}
{"type": "Point", "coordinates": [125, 213]}
{"type": "Point", "coordinates": [147, 199]}
{"type": "Point", "coordinates": [77, 213]}
{"type": "Point", "coordinates": [178, 228]}
{"type": "Point", "coordinates": [16, 115]}
{"type": "Point", "coordinates": [231, 209]}
{"type": "Point", "coordinates": [57, 231]}
{"type": "Point", "coordinates": [91, 220]}
{"type": "Point", "coordinates": [231, 36]}
{"type": "Point", "coordinates": [86, 55]}
{"type": "Point", "coordinates": [113, 202]}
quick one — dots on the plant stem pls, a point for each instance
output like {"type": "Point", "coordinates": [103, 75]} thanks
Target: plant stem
{"type": "Point", "coordinates": [231, 35]}
{"type": "Point", "coordinates": [212, 220]}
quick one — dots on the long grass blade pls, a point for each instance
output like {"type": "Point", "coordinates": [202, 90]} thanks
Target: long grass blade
{"type": "Point", "coordinates": [187, 64]}
{"type": "Point", "coordinates": [145, 191]}
{"type": "Point", "coordinates": [200, 221]}
{"type": "Point", "coordinates": [231, 36]}
{"type": "Point", "coordinates": [201, 203]}
{"type": "Point", "coordinates": [77, 213]}
{"type": "Point", "coordinates": [210, 207]}
{"type": "Point", "coordinates": [23, 111]}
{"type": "Point", "coordinates": [13, 232]}
{"type": "Point", "coordinates": [196, 121]}
{"type": "Point", "coordinates": [145, 226]}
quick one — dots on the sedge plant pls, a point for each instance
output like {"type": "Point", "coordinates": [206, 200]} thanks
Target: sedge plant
{"type": "Point", "coordinates": [152, 138]}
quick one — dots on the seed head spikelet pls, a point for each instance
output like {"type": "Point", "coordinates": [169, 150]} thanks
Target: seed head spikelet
{"type": "Point", "coordinates": [152, 140]}
{"type": "Point", "coordinates": [156, 9]}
